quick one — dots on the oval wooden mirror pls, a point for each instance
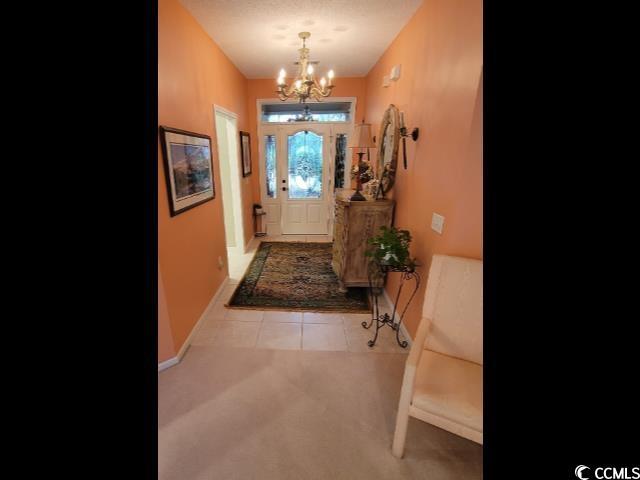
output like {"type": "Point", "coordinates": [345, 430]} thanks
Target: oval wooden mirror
{"type": "Point", "coordinates": [389, 140]}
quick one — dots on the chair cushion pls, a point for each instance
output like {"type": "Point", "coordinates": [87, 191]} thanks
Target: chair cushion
{"type": "Point", "coordinates": [453, 302]}
{"type": "Point", "coordinates": [450, 388]}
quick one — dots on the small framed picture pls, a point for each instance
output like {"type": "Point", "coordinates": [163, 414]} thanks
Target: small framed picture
{"type": "Point", "coordinates": [188, 168]}
{"type": "Point", "coordinates": [245, 153]}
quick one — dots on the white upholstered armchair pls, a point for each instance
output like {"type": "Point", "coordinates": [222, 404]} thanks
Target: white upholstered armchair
{"type": "Point", "coordinates": [442, 382]}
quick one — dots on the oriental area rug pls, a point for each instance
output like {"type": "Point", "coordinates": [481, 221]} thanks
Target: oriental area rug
{"type": "Point", "coordinates": [295, 276]}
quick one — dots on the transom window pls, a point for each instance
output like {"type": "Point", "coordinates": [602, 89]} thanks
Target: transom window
{"type": "Point", "coordinates": [320, 112]}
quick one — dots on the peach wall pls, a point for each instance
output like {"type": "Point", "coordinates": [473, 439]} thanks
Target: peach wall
{"type": "Point", "coordinates": [166, 349]}
{"type": "Point", "coordinates": [193, 75]}
{"type": "Point", "coordinates": [262, 88]}
{"type": "Point", "coordinates": [440, 91]}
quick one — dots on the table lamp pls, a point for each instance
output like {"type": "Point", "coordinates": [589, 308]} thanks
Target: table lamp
{"type": "Point", "coordinates": [361, 139]}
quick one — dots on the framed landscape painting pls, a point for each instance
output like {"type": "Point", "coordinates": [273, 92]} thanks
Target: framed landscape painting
{"type": "Point", "coordinates": [245, 153]}
{"type": "Point", "coordinates": [188, 168]}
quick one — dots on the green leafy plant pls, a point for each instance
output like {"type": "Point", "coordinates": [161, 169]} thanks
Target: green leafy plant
{"type": "Point", "coordinates": [391, 247]}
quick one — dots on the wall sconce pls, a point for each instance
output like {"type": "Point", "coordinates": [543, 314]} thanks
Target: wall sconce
{"type": "Point", "coordinates": [404, 134]}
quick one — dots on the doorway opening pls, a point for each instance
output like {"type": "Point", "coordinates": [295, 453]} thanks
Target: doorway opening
{"type": "Point", "coordinates": [226, 124]}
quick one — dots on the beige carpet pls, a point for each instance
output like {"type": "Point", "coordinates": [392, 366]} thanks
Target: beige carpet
{"type": "Point", "coordinates": [233, 413]}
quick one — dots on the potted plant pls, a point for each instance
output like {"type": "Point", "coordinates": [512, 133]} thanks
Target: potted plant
{"type": "Point", "coordinates": [390, 249]}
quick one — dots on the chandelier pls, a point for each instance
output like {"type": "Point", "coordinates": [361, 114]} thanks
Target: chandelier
{"type": "Point", "coordinates": [305, 85]}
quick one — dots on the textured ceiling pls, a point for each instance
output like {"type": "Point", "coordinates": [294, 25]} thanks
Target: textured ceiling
{"type": "Point", "coordinates": [261, 36]}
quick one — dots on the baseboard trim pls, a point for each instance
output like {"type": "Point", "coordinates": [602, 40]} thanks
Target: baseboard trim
{"type": "Point", "coordinates": [396, 319]}
{"type": "Point", "coordinates": [167, 363]}
{"type": "Point", "coordinates": [183, 349]}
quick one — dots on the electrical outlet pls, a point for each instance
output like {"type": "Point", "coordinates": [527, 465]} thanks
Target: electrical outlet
{"type": "Point", "coordinates": [437, 223]}
{"type": "Point", "coordinates": [385, 81]}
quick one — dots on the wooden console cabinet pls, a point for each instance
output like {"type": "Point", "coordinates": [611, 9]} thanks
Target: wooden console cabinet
{"type": "Point", "coordinates": [354, 223]}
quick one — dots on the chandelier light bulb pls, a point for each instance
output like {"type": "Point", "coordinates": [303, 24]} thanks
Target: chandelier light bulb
{"type": "Point", "coordinates": [280, 80]}
{"type": "Point", "coordinates": [298, 83]}
{"type": "Point", "coordinates": [310, 70]}
{"type": "Point", "coordinates": [323, 82]}
{"type": "Point", "coordinates": [330, 74]}
{"type": "Point", "coordinates": [283, 73]}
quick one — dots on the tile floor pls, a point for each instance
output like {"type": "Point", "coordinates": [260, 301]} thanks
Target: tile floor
{"type": "Point", "coordinates": [291, 331]}
{"type": "Point", "coordinates": [280, 330]}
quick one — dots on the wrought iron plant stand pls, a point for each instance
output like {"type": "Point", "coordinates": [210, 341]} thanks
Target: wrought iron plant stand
{"type": "Point", "coordinates": [408, 272]}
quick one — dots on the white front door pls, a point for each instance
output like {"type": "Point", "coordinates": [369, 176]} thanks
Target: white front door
{"type": "Point", "coordinates": [305, 179]}
{"type": "Point", "coordinates": [298, 173]}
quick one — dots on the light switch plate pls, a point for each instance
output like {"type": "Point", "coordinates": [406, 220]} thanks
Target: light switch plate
{"type": "Point", "coordinates": [395, 72]}
{"type": "Point", "coordinates": [385, 81]}
{"type": "Point", "coordinates": [437, 223]}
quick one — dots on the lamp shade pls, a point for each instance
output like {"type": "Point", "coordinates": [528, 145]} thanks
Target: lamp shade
{"type": "Point", "coordinates": [361, 137]}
